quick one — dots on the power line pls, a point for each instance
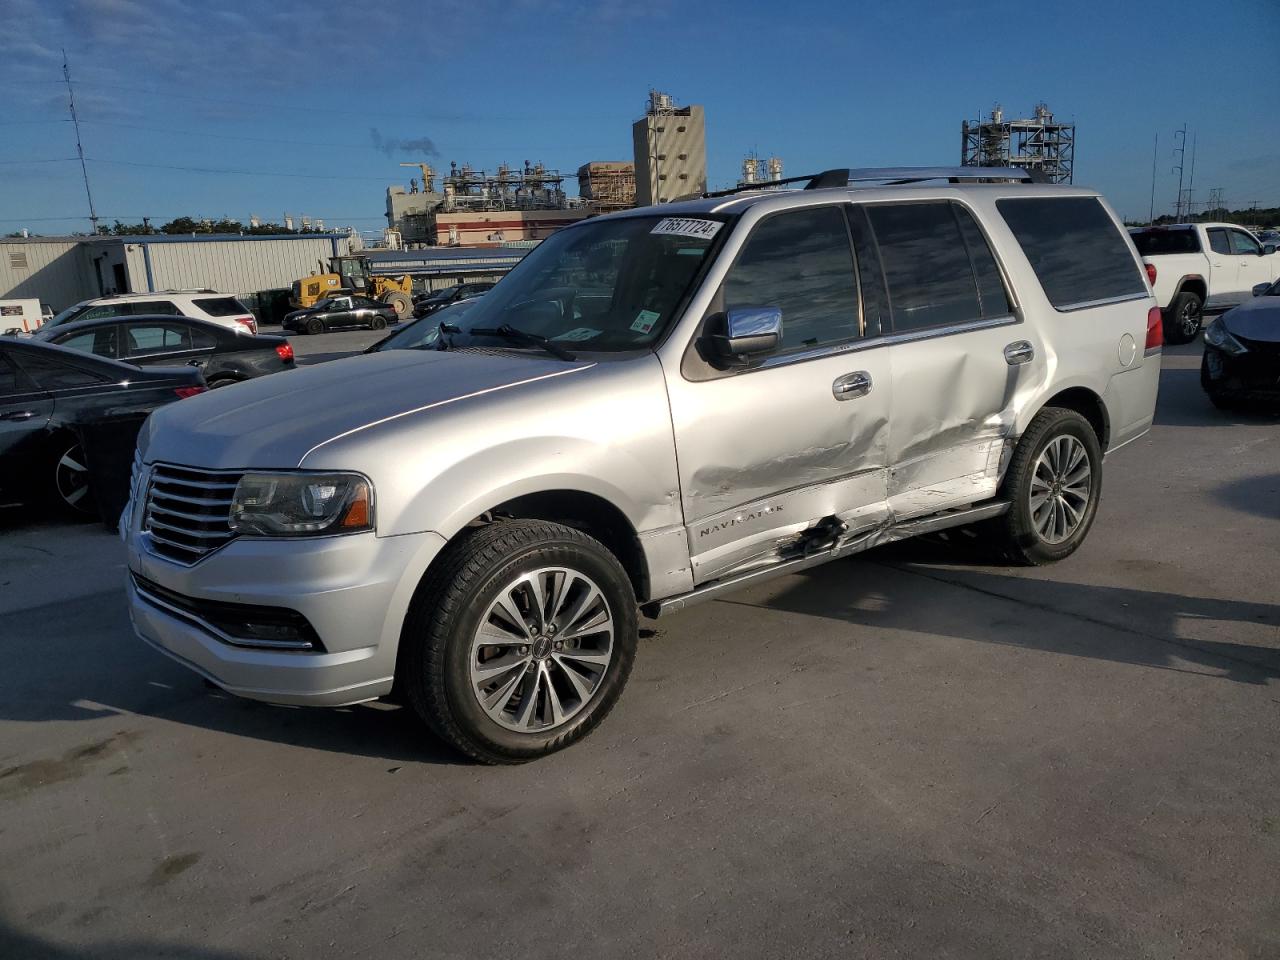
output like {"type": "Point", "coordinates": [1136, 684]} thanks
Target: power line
{"type": "Point", "coordinates": [42, 160]}
{"type": "Point", "coordinates": [217, 170]}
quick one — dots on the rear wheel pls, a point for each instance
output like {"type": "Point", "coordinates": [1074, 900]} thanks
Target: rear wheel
{"type": "Point", "coordinates": [379, 322]}
{"type": "Point", "coordinates": [519, 641]}
{"type": "Point", "coordinates": [1182, 319]}
{"type": "Point", "coordinates": [1053, 485]}
{"type": "Point", "coordinates": [314, 326]}
{"type": "Point", "coordinates": [400, 303]}
{"type": "Point", "coordinates": [70, 489]}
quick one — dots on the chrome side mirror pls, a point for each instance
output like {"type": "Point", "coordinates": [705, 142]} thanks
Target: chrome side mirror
{"type": "Point", "coordinates": [745, 333]}
{"type": "Point", "coordinates": [1260, 288]}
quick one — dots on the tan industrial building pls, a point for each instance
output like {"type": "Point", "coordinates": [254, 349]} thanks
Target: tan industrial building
{"type": "Point", "coordinates": [61, 271]}
{"type": "Point", "coordinates": [670, 146]}
{"type": "Point", "coordinates": [608, 185]}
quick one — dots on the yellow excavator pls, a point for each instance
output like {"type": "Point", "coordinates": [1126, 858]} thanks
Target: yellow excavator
{"type": "Point", "coordinates": [348, 275]}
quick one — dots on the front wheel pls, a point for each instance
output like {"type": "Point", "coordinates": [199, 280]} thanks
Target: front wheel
{"type": "Point", "coordinates": [1182, 320]}
{"type": "Point", "coordinates": [1053, 485]}
{"type": "Point", "coordinates": [314, 326]}
{"type": "Point", "coordinates": [519, 641]}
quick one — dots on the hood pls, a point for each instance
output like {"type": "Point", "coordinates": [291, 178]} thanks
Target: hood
{"type": "Point", "coordinates": [274, 421]}
{"type": "Point", "coordinates": [1256, 319]}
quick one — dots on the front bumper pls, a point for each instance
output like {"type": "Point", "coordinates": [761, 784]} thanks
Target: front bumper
{"type": "Point", "coordinates": [354, 591]}
{"type": "Point", "coordinates": [1251, 375]}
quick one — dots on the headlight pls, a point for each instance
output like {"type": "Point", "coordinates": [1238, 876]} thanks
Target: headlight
{"type": "Point", "coordinates": [1216, 335]}
{"type": "Point", "coordinates": [301, 504]}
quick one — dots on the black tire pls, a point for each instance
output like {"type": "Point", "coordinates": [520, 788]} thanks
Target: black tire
{"type": "Point", "coordinates": [399, 302]}
{"type": "Point", "coordinates": [69, 491]}
{"type": "Point", "coordinates": [1015, 535]}
{"type": "Point", "coordinates": [313, 326]}
{"type": "Point", "coordinates": [379, 322]}
{"type": "Point", "coordinates": [436, 643]}
{"type": "Point", "coordinates": [1182, 319]}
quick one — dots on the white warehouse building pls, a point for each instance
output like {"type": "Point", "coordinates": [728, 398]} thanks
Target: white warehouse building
{"type": "Point", "coordinates": [61, 271]}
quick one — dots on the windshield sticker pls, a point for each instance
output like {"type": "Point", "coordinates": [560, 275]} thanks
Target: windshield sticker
{"type": "Point", "coordinates": [644, 321]}
{"type": "Point", "coordinates": [684, 227]}
{"type": "Point", "coordinates": [577, 333]}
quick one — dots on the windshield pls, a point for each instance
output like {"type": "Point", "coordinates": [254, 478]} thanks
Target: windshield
{"type": "Point", "coordinates": [607, 285]}
{"type": "Point", "coordinates": [444, 294]}
{"type": "Point", "coordinates": [1155, 242]}
{"type": "Point", "coordinates": [423, 334]}
{"type": "Point", "coordinates": [67, 315]}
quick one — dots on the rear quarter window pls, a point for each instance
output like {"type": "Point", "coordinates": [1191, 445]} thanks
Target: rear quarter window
{"type": "Point", "coordinates": [1152, 243]}
{"type": "Point", "coordinates": [1075, 248]}
{"type": "Point", "coordinates": [222, 306]}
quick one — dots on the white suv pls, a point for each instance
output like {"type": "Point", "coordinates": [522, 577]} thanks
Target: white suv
{"type": "Point", "coordinates": [652, 409]}
{"type": "Point", "coordinates": [220, 308]}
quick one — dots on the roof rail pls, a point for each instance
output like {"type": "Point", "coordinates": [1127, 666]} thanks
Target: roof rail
{"type": "Point", "coordinates": [891, 176]}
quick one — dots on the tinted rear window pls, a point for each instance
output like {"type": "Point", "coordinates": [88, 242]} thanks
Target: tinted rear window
{"type": "Point", "coordinates": [1075, 249]}
{"type": "Point", "coordinates": [222, 307]}
{"type": "Point", "coordinates": [1155, 242]}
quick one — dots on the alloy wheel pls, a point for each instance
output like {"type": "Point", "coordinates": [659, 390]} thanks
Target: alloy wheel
{"type": "Point", "coordinates": [542, 649]}
{"type": "Point", "coordinates": [1060, 489]}
{"type": "Point", "coordinates": [71, 480]}
{"type": "Point", "coordinates": [1190, 319]}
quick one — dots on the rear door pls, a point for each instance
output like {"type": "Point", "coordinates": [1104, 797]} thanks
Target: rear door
{"type": "Point", "coordinates": [25, 411]}
{"type": "Point", "coordinates": [1224, 278]}
{"type": "Point", "coordinates": [101, 341]}
{"type": "Point", "coordinates": [959, 353]}
{"type": "Point", "coordinates": [769, 451]}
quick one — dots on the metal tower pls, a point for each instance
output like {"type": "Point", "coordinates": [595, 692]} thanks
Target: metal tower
{"type": "Point", "coordinates": [1038, 144]}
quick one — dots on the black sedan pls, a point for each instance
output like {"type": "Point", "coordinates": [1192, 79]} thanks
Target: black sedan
{"type": "Point", "coordinates": [442, 298]}
{"type": "Point", "coordinates": [47, 393]}
{"type": "Point", "coordinates": [225, 356]}
{"type": "Point", "coordinates": [1242, 351]}
{"type": "Point", "coordinates": [333, 313]}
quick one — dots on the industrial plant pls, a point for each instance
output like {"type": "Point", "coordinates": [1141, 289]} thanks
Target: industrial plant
{"type": "Point", "coordinates": [670, 145]}
{"type": "Point", "coordinates": [1038, 144]}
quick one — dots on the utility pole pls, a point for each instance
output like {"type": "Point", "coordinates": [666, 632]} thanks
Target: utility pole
{"type": "Point", "coordinates": [1155, 152]}
{"type": "Point", "coordinates": [1191, 180]}
{"type": "Point", "coordinates": [84, 171]}
{"type": "Point", "coordinates": [1181, 151]}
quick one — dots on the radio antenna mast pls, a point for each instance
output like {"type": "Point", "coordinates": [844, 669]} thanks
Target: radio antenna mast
{"type": "Point", "coordinates": [71, 102]}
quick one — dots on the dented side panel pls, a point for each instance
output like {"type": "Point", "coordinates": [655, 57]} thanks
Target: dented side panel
{"type": "Point", "coordinates": [767, 453]}
{"type": "Point", "coordinates": [956, 404]}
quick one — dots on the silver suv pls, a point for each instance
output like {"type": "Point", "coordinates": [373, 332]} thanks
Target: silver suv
{"type": "Point", "coordinates": [651, 409]}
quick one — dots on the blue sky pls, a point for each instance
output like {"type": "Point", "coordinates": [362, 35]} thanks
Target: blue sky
{"type": "Point", "coordinates": [303, 105]}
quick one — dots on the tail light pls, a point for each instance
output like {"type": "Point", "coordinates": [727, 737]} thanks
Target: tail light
{"type": "Point", "coordinates": [1155, 329]}
{"type": "Point", "coordinates": [184, 392]}
{"type": "Point", "coordinates": [285, 351]}
{"type": "Point", "coordinates": [1151, 273]}
{"type": "Point", "coordinates": [248, 323]}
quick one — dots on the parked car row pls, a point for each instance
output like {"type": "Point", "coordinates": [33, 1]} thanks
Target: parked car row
{"type": "Point", "coordinates": [218, 308]}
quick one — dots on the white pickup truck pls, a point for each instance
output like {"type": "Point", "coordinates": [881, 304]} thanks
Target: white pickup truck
{"type": "Point", "coordinates": [1202, 267]}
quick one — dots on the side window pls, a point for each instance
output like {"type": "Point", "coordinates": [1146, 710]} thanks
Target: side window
{"type": "Point", "coordinates": [1218, 241]}
{"type": "Point", "coordinates": [1077, 251]}
{"type": "Point", "coordinates": [1244, 245]}
{"type": "Point", "coordinates": [105, 310]}
{"type": "Point", "coordinates": [800, 262]}
{"type": "Point", "coordinates": [926, 265]}
{"type": "Point", "coordinates": [201, 339]}
{"type": "Point", "coordinates": [101, 341]}
{"type": "Point", "coordinates": [10, 382]}
{"type": "Point", "coordinates": [992, 294]}
{"type": "Point", "coordinates": [149, 308]}
{"type": "Point", "coordinates": [51, 374]}
{"type": "Point", "coordinates": [149, 338]}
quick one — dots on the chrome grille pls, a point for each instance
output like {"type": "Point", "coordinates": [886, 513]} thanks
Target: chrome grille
{"type": "Point", "coordinates": [188, 511]}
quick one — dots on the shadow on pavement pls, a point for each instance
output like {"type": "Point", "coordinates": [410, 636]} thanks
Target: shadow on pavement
{"type": "Point", "coordinates": [92, 666]}
{"type": "Point", "coordinates": [1258, 496]}
{"type": "Point", "coordinates": [1117, 624]}
{"type": "Point", "coordinates": [15, 945]}
{"type": "Point", "coordinates": [1182, 403]}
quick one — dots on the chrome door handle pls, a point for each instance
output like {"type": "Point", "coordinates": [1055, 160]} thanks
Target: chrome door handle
{"type": "Point", "coordinates": [852, 385]}
{"type": "Point", "coordinates": [1020, 351]}
{"type": "Point", "coordinates": [18, 415]}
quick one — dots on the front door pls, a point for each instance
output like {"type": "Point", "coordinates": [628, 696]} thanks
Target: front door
{"type": "Point", "coordinates": [1224, 278]}
{"type": "Point", "coordinates": [1253, 268]}
{"type": "Point", "coordinates": [769, 452]}
{"type": "Point", "coordinates": [958, 356]}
